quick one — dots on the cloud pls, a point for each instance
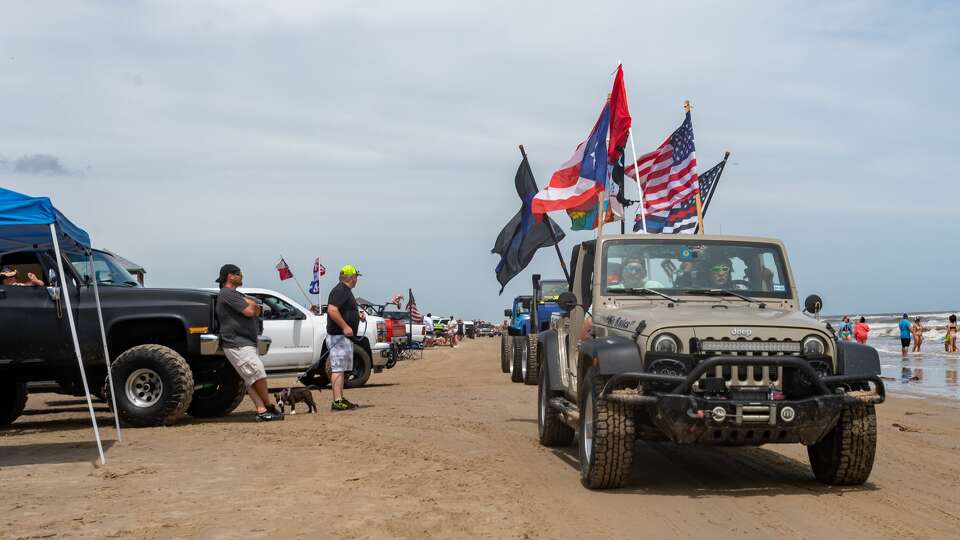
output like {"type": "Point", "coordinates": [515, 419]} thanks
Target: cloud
{"type": "Point", "coordinates": [44, 164]}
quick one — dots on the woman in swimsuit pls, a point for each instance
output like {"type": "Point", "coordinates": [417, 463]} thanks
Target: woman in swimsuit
{"type": "Point", "coordinates": [950, 340]}
{"type": "Point", "coordinates": [846, 329]}
{"type": "Point", "coordinates": [917, 332]}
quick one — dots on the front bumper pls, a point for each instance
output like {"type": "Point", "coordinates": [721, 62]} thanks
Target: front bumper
{"type": "Point", "coordinates": [690, 417]}
{"type": "Point", "coordinates": [210, 345]}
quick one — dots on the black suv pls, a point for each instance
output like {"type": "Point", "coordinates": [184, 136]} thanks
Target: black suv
{"type": "Point", "coordinates": [163, 343]}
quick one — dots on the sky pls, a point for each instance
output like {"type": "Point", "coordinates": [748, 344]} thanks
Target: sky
{"type": "Point", "coordinates": [187, 134]}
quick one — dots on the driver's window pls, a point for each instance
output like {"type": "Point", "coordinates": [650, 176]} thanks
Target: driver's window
{"type": "Point", "coordinates": [20, 266]}
{"type": "Point", "coordinates": [279, 310]}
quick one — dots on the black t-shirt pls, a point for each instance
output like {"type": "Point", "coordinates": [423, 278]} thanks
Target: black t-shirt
{"type": "Point", "coordinates": [236, 329]}
{"type": "Point", "coordinates": [342, 297]}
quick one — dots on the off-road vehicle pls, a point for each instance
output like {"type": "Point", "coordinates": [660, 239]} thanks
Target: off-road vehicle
{"type": "Point", "coordinates": [700, 340]}
{"type": "Point", "coordinates": [163, 343]}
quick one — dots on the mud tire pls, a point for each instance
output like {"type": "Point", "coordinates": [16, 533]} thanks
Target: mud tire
{"type": "Point", "coordinates": [844, 457]}
{"type": "Point", "coordinates": [519, 358]}
{"type": "Point", "coordinates": [13, 399]}
{"type": "Point", "coordinates": [551, 429]}
{"type": "Point", "coordinates": [606, 465]}
{"type": "Point", "coordinates": [532, 375]}
{"type": "Point", "coordinates": [221, 400]}
{"type": "Point", "coordinates": [506, 353]}
{"type": "Point", "coordinates": [174, 374]}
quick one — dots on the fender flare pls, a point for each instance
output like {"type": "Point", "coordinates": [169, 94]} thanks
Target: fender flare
{"type": "Point", "coordinates": [548, 345]}
{"type": "Point", "coordinates": [613, 355]}
{"type": "Point", "coordinates": [856, 359]}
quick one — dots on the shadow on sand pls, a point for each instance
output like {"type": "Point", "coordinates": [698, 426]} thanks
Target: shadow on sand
{"type": "Point", "coordinates": [50, 453]}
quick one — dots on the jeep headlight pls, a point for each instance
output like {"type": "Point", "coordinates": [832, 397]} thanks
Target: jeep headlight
{"type": "Point", "coordinates": [813, 346]}
{"type": "Point", "coordinates": [666, 343]}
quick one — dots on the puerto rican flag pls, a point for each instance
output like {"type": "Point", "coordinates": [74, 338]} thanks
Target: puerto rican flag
{"type": "Point", "coordinates": [582, 177]}
{"type": "Point", "coordinates": [284, 269]}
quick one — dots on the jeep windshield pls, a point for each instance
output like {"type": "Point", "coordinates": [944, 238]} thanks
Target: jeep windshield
{"type": "Point", "coordinates": [106, 268]}
{"type": "Point", "coordinates": [550, 290]}
{"type": "Point", "coordinates": [710, 268]}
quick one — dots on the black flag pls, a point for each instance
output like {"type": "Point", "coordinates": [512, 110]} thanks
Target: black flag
{"type": "Point", "coordinates": [523, 236]}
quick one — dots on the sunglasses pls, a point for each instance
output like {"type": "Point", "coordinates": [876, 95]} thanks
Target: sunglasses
{"type": "Point", "coordinates": [721, 268]}
{"type": "Point", "coordinates": [634, 269]}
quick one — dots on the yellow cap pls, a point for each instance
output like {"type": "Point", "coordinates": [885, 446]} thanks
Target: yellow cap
{"type": "Point", "coordinates": [349, 270]}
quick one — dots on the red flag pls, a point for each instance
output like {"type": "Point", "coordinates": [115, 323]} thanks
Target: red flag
{"type": "Point", "coordinates": [284, 270]}
{"type": "Point", "coordinates": [619, 118]}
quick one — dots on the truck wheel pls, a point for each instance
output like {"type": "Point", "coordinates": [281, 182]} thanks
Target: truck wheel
{"type": "Point", "coordinates": [552, 430]}
{"type": "Point", "coordinates": [844, 457]}
{"type": "Point", "coordinates": [362, 367]}
{"type": "Point", "coordinates": [506, 353]}
{"type": "Point", "coordinates": [531, 373]}
{"type": "Point", "coordinates": [154, 385]}
{"type": "Point", "coordinates": [606, 437]}
{"type": "Point", "coordinates": [13, 398]}
{"type": "Point", "coordinates": [217, 393]}
{"type": "Point", "coordinates": [519, 355]}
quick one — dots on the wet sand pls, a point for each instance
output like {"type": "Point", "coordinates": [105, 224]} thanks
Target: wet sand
{"type": "Point", "coordinates": [446, 447]}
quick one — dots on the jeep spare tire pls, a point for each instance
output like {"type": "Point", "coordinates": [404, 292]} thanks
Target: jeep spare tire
{"type": "Point", "coordinates": [217, 392]}
{"type": "Point", "coordinates": [154, 386]}
{"type": "Point", "coordinates": [13, 399]}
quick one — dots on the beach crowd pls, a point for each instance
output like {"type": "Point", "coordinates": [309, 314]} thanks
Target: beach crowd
{"type": "Point", "coordinates": [911, 333]}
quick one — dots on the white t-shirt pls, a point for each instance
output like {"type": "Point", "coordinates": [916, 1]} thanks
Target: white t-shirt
{"type": "Point", "coordinates": [428, 322]}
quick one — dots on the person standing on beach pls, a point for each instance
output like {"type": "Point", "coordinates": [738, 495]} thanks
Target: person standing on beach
{"type": "Point", "coordinates": [428, 324]}
{"type": "Point", "coordinates": [861, 331]}
{"type": "Point", "coordinates": [905, 329]}
{"type": "Point", "coordinates": [950, 340]}
{"type": "Point", "coordinates": [238, 315]}
{"type": "Point", "coordinates": [343, 321]}
{"type": "Point", "coordinates": [846, 329]}
{"type": "Point", "coordinates": [917, 332]}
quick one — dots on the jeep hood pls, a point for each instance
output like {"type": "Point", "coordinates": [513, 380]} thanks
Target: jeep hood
{"type": "Point", "coordinates": [702, 314]}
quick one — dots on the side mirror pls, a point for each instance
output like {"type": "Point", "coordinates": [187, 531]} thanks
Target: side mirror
{"type": "Point", "coordinates": [567, 301]}
{"type": "Point", "coordinates": [508, 313]}
{"type": "Point", "coordinates": [54, 293]}
{"type": "Point", "coordinates": [813, 304]}
{"type": "Point", "coordinates": [52, 278]}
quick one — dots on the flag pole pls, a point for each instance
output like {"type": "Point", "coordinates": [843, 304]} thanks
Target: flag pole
{"type": "Point", "coordinates": [643, 213]}
{"type": "Point", "coordinates": [723, 167]}
{"type": "Point", "coordinates": [553, 235]}
{"type": "Point", "coordinates": [686, 109]}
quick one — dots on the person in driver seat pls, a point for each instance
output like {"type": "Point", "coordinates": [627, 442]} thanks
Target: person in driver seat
{"type": "Point", "coordinates": [9, 275]}
{"type": "Point", "coordinates": [717, 272]}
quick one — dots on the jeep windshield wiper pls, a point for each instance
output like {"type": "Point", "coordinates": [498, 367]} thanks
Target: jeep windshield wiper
{"type": "Point", "coordinates": [644, 290]}
{"type": "Point", "coordinates": [720, 292]}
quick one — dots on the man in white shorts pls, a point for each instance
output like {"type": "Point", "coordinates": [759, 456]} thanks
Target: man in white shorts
{"type": "Point", "coordinates": [343, 321]}
{"type": "Point", "coordinates": [238, 315]}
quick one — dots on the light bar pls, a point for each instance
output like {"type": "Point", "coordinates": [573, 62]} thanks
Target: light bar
{"type": "Point", "coordinates": [751, 346]}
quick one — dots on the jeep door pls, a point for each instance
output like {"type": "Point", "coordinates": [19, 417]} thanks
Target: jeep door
{"type": "Point", "coordinates": [35, 327]}
{"type": "Point", "coordinates": [291, 331]}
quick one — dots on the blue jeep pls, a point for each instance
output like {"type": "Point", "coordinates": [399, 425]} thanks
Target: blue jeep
{"type": "Point", "coordinates": [518, 355]}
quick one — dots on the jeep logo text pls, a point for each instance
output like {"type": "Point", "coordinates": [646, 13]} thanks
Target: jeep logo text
{"type": "Point", "coordinates": [742, 332]}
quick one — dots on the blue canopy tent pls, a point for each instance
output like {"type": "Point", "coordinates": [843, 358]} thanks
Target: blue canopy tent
{"type": "Point", "coordinates": [33, 223]}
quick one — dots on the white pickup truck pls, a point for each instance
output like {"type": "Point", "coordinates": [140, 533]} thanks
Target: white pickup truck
{"type": "Point", "coordinates": [298, 339]}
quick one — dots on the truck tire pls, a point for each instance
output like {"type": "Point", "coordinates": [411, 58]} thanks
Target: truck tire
{"type": "Point", "coordinates": [13, 399]}
{"type": "Point", "coordinates": [606, 437]}
{"type": "Point", "coordinates": [154, 386]}
{"type": "Point", "coordinates": [552, 430]}
{"type": "Point", "coordinates": [506, 353]}
{"type": "Point", "coordinates": [531, 374]}
{"type": "Point", "coordinates": [217, 393]}
{"type": "Point", "coordinates": [844, 457]}
{"type": "Point", "coordinates": [519, 356]}
{"type": "Point", "coordinates": [362, 367]}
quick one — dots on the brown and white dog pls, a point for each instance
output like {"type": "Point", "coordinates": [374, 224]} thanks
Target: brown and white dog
{"type": "Point", "coordinates": [292, 396]}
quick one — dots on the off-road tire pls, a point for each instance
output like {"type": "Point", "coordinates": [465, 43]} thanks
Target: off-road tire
{"type": "Point", "coordinates": [174, 374]}
{"type": "Point", "coordinates": [552, 430]}
{"type": "Point", "coordinates": [362, 368]}
{"type": "Point", "coordinates": [519, 358]}
{"type": "Point", "coordinates": [13, 399]}
{"type": "Point", "coordinates": [533, 365]}
{"type": "Point", "coordinates": [844, 457]}
{"type": "Point", "coordinates": [608, 464]}
{"type": "Point", "coordinates": [506, 353]}
{"type": "Point", "coordinates": [220, 400]}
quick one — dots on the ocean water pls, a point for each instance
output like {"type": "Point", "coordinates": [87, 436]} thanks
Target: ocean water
{"type": "Point", "coordinates": [931, 372]}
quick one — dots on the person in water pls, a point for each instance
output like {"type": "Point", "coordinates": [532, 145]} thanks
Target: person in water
{"type": "Point", "coordinates": [917, 332]}
{"type": "Point", "coordinates": [905, 334]}
{"type": "Point", "coordinates": [861, 331]}
{"type": "Point", "coordinates": [846, 329]}
{"type": "Point", "coordinates": [950, 340]}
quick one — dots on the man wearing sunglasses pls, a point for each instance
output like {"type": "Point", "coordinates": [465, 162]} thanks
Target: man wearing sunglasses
{"type": "Point", "coordinates": [718, 274]}
{"type": "Point", "coordinates": [633, 275]}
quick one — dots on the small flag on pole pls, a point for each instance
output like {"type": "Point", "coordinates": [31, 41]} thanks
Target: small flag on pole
{"type": "Point", "coordinates": [318, 272]}
{"type": "Point", "coordinates": [284, 270]}
{"type": "Point", "coordinates": [415, 315]}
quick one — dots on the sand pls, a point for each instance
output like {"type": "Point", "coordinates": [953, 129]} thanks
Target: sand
{"type": "Point", "coordinates": [446, 447]}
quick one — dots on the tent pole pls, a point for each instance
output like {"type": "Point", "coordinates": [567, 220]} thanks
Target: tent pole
{"type": "Point", "coordinates": [76, 341]}
{"type": "Point", "coordinates": [106, 351]}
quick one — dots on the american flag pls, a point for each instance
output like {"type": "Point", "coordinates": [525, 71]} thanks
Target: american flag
{"type": "Point", "coordinates": [415, 316]}
{"type": "Point", "coordinates": [668, 175]}
{"type": "Point", "coordinates": [683, 217]}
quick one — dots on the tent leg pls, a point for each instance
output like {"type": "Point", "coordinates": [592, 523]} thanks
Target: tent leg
{"type": "Point", "coordinates": [106, 351]}
{"type": "Point", "coordinates": [76, 341]}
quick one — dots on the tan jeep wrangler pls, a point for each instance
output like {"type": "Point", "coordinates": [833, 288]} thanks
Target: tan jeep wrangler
{"type": "Point", "coordinates": [700, 340]}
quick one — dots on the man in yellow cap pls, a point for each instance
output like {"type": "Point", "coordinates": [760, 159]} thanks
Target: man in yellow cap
{"type": "Point", "coordinates": [343, 321]}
